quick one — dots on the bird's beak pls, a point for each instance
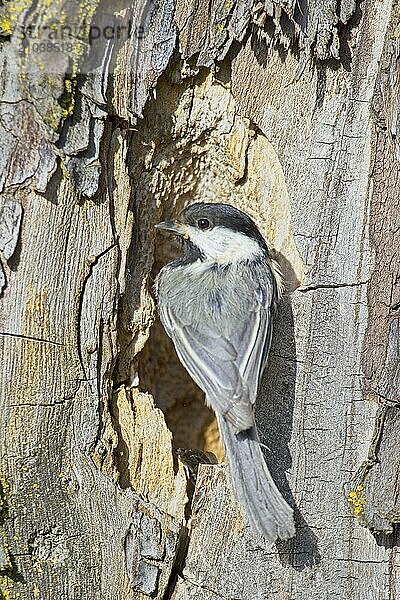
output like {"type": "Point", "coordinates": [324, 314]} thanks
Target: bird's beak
{"type": "Point", "coordinates": [172, 227]}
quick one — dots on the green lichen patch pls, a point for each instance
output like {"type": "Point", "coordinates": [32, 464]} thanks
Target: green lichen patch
{"type": "Point", "coordinates": [67, 99]}
{"type": "Point", "coordinates": [3, 499]}
{"type": "Point", "coordinates": [7, 589]}
{"type": "Point", "coordinates": [10, 13]}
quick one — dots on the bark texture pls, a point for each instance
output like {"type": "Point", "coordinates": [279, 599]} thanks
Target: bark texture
{"type": "Point", "coordinates": [288, 110]}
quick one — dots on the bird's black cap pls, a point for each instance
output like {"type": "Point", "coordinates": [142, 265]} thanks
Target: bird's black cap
{"type": "Point", "coordinates": [223, 215]}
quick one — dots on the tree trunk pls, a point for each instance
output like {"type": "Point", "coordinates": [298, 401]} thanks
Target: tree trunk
{"type": "Point", "coordinates": [111, 119]}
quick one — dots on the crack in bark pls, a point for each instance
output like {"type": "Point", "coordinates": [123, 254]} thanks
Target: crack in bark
{"type": "Point", "coordinates": [80, 307]}
{"type": "Point", "coordinates": [329, 286]}
{"type": "Point", "coordinates": [30, 338]}
{"type": "Point", "coordinates": [35, 405]}
{"type": "Point", "coordinates": [358, 560]}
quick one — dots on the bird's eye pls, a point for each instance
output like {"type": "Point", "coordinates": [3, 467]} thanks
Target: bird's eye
{"type": "Point", "coordinates": [203, 223]}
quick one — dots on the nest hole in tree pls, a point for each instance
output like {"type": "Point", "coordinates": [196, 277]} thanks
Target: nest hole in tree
{"type": "Point", "coordinates": [192, 146]}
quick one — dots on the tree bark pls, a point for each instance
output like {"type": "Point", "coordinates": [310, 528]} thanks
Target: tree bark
{"type": "Point", "coordinates": [112, 119]}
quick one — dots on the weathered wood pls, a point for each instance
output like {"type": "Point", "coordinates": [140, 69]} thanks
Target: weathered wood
{"type": "Point", "coordinates": [72, 526]}
{"type": "Point", "coordinates": [97, 145]}
{"type": "Point", "coordinates": [10, 222]}
{"type": "Point", "coordinates": [210, 29]}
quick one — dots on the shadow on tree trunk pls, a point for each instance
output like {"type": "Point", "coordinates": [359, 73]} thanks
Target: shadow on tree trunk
{"type": "Point", "coordinates": [274, 415]}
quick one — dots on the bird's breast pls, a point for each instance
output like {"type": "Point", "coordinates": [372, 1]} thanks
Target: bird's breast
{"type": "Point", "coordinates": [206, 292]}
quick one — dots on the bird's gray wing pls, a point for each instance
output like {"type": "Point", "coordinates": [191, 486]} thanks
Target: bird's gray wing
{"type": "Point", "coordinates": [225, 362]}
{"type": "Point", "coordinates": [258, 356]}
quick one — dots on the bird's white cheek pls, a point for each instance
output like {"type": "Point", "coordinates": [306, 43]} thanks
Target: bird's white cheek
{"type": "Point", "coordinates": [223, 245]}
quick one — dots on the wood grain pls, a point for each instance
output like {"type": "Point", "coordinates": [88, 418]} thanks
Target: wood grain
{"type": "Point", "coordinates": [96, 147]}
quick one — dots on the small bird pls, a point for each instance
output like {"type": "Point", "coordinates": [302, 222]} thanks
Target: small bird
{"type": "Point", "coordinates": [216, 303]}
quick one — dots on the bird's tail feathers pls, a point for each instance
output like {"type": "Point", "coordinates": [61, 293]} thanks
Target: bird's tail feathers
{"type": "Point", "coordinates": [262, 503]}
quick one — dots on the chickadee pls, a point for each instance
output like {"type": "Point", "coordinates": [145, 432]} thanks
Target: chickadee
{"type": "Point", "coordinates": [216, 303]}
